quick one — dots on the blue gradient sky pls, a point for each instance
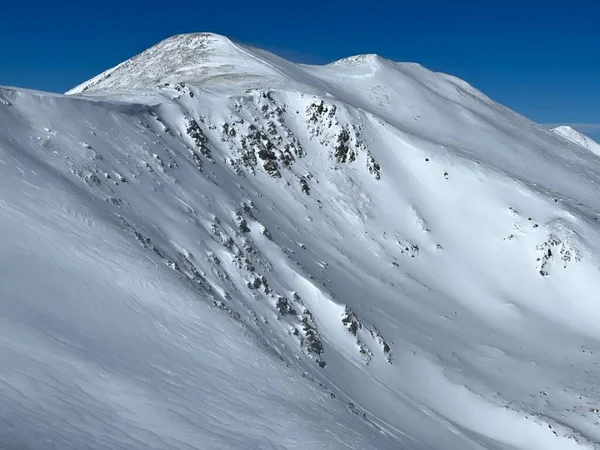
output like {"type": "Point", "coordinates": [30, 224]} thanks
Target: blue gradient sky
{"type": "Point", "coordinates": [539, 59]}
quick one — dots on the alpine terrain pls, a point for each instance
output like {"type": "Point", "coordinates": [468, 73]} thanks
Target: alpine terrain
{"type": "Point", "coordinates": [578, 138]}
{"type": "Point", "coordinates": [208, 246]}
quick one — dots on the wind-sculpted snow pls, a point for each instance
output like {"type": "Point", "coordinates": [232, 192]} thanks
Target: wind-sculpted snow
{"type": "Point", "coordinates": [212, 247]}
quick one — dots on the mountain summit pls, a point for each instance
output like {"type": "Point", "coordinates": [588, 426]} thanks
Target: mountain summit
{"type": "Point", "coordinates": [183, 58]}
{"type": "Point", "coordinates": [209, 246]}
{"type": "Point", "coordinates": [578, 138]}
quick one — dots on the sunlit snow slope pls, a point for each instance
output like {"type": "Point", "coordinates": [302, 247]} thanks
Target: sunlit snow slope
{"type": "Point", "coordinates": [211, 247]}
{"type": "Point", "coordinates": [578, 138]}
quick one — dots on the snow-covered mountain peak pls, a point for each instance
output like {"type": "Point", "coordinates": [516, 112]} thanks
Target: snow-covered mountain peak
{"type": "Point", "coordinates": [369, 58]}
{"type": "Point", "coordinates": [570, 133]}
{"type": "Point", "coordinates": [195, 58]}
{"type": "Point", "coordinates": [194, 41]}
{"type": "Point", "coordinates": [578, 138]}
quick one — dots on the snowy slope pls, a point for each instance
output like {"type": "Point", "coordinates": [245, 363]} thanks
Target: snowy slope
{"type": "Point", "coordinates": [578, 138]}
{"type": "Point", "coordinates": [211, 247]}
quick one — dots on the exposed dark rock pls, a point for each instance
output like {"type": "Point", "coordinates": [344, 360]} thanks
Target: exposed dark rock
{"type": "Point", "coordinates": [350, 321]}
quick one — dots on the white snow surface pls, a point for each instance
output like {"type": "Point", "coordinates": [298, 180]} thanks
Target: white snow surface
{"type": "Point", "coordinates": [211, 247]}
{"type": "Point", "coordinates": [578, 138]}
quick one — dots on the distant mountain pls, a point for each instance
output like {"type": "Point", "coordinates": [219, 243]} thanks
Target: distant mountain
{"type": "Point", "coordinates": [578, 138]}
{"type": "Point", "coordinates": [209, 246]}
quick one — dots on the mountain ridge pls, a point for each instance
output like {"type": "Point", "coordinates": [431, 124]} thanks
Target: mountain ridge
{"type": "Point", "coordinates": [203, 46]}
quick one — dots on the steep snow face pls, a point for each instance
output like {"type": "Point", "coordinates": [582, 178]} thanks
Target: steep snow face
{"type": "Point", "coordinates": [578, 138]}
{"type": "Point", "coordinates": [228, 250]}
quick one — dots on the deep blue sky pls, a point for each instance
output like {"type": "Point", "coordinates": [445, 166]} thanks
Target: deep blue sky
{"type": "Point", "coordinates": [537, 58]}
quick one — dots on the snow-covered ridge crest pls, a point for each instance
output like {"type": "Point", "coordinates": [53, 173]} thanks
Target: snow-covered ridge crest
{"type": "Point", "coordinates": [206, 59]}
